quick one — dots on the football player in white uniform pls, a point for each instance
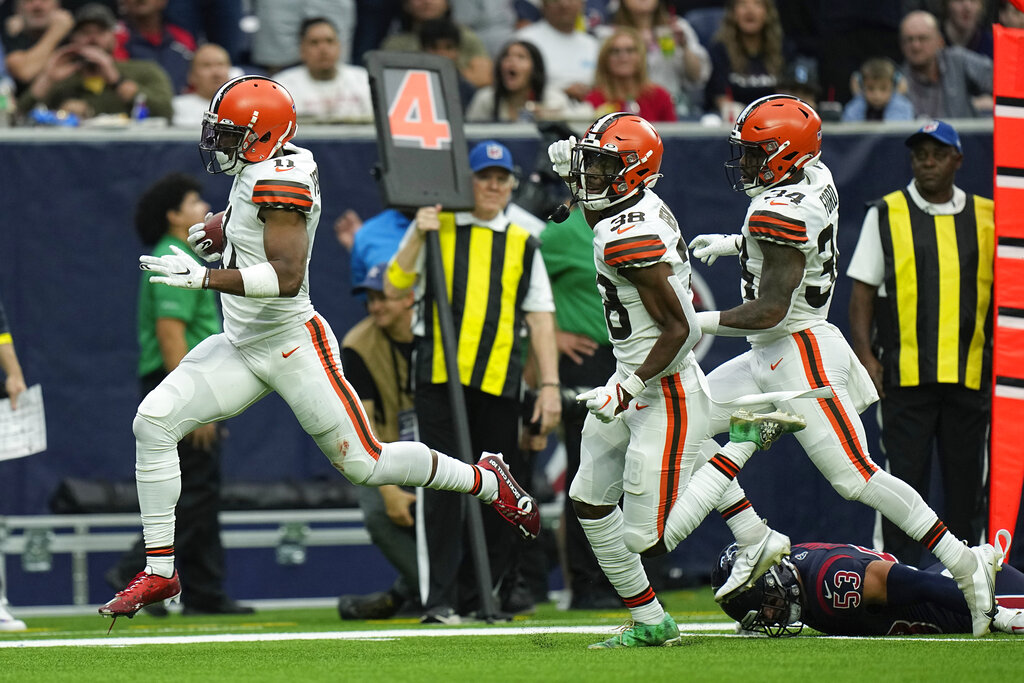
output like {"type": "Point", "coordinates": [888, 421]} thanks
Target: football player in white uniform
{"type": "Point", "coordinates": [647, 425]}
{"type": "Point", "coordinates": [273, 340]}
{"type": "Point", "coordinates": [788, 256]}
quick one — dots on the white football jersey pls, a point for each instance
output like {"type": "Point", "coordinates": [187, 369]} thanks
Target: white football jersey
{"type": "Point", "coordinates": [288, 181]}
{"type": "Point", "coordinates": [639, 236]}
{"type": "Point", "coordinates": [805, 216]}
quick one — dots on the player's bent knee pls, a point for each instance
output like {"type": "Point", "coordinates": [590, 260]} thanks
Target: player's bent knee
{"type": "Point", "coordinates": [656, 550]}
{"type": "Point", "coordinates": [640, 543]}
{"type": "Point", "coordinates": [850, 490]}
{"type": "Point", "coordinates": [151, 431]}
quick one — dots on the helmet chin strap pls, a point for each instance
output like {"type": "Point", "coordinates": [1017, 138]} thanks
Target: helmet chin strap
{"type": "Point", "coordinates": [602, 203]}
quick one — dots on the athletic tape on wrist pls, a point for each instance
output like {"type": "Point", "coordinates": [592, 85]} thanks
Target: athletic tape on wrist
{"type": "Point", "coordinates": [260, 281]}
{"type": "Point", "coordinates": [633, 385]}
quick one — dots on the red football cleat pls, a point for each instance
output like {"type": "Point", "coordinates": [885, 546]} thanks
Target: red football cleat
{"type": "Point", "coordinates": [515, 505]}
{"type": "Point", "coordinates": [144, 589]}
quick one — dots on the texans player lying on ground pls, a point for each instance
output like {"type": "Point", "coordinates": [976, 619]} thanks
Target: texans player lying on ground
{"type": "Point", "coordinates": [847, 590]}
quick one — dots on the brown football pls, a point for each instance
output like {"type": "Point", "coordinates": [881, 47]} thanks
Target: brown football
{"type": "Point", "coordinates": [214, 230]}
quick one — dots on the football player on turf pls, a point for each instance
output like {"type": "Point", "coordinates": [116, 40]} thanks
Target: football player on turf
{"type": "Point", "coordinates": [647, 425]}
{"type": "Point", "coordinates": [273, 340]}
{"type": "Point", "coordinates": [847, 590]}
{"type": "Point", "coordinates": [788, 257]}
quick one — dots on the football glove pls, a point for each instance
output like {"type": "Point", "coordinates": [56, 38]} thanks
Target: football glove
{"type": "Point", "coordinates": [608, 401]}
{"type": "Point", "coordinates": [177, 269]}
{"type": "Point", "coordinates": [560, 154]}
{"type": "Point", "coordinates": [709, 247]}
{"type": "Point", "coordinates": [200, 245]}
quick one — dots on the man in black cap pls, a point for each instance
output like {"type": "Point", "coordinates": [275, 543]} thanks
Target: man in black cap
{"type": "Point", "coordinates": [921, 323]}
{"type": "Point", "coordinates": [83, 77]}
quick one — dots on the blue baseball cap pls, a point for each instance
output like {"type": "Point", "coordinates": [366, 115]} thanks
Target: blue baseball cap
{"type": "Point", "coordinates": [488, 154]}
{"type": "Point", "coordinates": [374, 280]}
{"type": "Point", "coordinates": [940, 131]}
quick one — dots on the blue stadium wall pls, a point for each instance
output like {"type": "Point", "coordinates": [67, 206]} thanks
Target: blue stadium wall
{"type": "Point", "coordinates": [69, 279]}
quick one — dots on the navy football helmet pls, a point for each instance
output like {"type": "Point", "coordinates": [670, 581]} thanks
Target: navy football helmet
{"type": "Point", "coordinates": [772, 605]}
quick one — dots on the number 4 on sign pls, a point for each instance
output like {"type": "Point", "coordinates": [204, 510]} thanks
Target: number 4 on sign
{"type": "Point", "coordinates": [413, 114]}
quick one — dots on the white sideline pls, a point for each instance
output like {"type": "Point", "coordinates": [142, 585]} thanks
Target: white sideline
{"type": "Point", "coordinates": [713, 629]}
{"type": "Point", "coordinates": [381, 634]}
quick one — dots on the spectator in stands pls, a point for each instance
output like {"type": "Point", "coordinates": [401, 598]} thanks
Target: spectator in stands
{"type": "Point", "coordinates": [965, 25]}
{"type": "Point", "coordinates": [562, 43]}
{"type": "Point", "coordinates": [144, 34]}
{"type": "Point", "coordinates": [373, 21]}
{"type": "Point", "coordinates": [42, 27]}
{"type": "Point", "coordinates": [210, 21]}
{"type": "Point", "coordinates": [83, 77]}
{"type": "Point", "coordinates": [442, 37]}
{"type": "Point", "coordinates": [494, 21]}
{"type": "Point", "coordinates": [675, 58]}
{"type": "Point", "coordinates": [275, 45]}
{"type": "Point", "coordinates": [878, 97]}
{"type": "Point", "coordinates": [942, 82]}
{"type": "Point", "coordinates": [1009, 16]}
{"type": "Point", "coordinates": [521, 91]}
{"type": "Point", "coordinates": [475, 62]}
{"type": "Point", "coordinates": [376, 355]}
{"type": "Point", "coordinates": [171, 322]}
{"type": "Point", "coordinates": [800, 79]}
{"type": "Point", "coordinates": [210, 69]}
{"type": "Point", "coordinates": [621, 82]}
{"type": "Point", "coordinates": [746, 58]}
{"type": "Point", "coordinates": [324, 88]}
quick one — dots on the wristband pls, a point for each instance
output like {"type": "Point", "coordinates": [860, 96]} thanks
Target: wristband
{"type": "Point", "coordinates": [550, 384]}
{"type": "Point", "coordinates": [708, 321]}
{"type": "Point", "coordinates": [633, 385]}
{"type": "Point", "coordinates": [260, 281]}
{"type": "Point", "coordinates": [399, 277]}
{"type": "Point", "coordinates": [206, 279]}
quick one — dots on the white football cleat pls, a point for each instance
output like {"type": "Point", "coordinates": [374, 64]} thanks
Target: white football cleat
{"type": "Point", "coordinates": [979, 587]}
{"type": "Point", "coordinates": [7, 620]}
{"type": "Point", "coordinates": [752, 561]}
{"type": "Point", "coordinates": [1009, 621]}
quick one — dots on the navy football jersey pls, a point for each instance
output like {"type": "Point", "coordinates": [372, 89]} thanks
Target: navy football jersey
{"type": "Point", "coordinates": [833, 579]}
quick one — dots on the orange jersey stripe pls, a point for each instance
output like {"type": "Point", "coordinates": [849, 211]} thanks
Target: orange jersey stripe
{"type": "Point", "coordinates": [638, 257]}
{"type": "Point", "coordinates": [833, 408]}
{"type": "Point", "coordinates": [672, 452]}
{"type": "Point", "coordinates": [341, 387]}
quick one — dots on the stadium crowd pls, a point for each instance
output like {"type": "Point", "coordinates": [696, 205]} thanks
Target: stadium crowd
{"type": "Point", "coordinates": [69, 62]}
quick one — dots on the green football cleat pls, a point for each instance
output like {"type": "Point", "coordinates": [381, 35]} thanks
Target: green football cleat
{"type": "Point", "coordinates": [665, 634]}
{"type": "Point", "coordinates": [763, 429]}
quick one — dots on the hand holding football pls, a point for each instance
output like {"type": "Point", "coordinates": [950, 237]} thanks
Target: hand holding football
{"type": "Point", "coordinates": [207, 238]}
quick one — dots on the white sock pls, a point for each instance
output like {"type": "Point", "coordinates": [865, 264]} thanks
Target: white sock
{"type": "Point", "coordinates": [702, 494]}
{"type": "Point", "coordinates": [902, 505]}
{"type": "Point", "coordinates": [623, 568]}
{"type": "Point", "coordinates": [161, 566]}
{"type": "Point", "coordinates": [746, 525]}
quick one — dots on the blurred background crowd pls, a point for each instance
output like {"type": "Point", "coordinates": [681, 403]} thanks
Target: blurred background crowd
{"type": "Point", "coordinates": [73, 62]}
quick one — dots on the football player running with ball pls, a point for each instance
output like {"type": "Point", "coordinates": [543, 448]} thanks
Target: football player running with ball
{"type": "Point", "coordinates": [788, 258]}
{"type": "Point", "coordinates": [273, 340]}
{"type": "Point", "coordinates": [643, 437]}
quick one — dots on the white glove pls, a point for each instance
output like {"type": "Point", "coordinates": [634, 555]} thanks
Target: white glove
{"type": "Point", "coordinates": [709, 247]}
{"type": "Point", "coordinates": [177, 269]}
{"type": "Point", "coordinates": [200, 245]}
{"type": "Point", "coordinates": [560, 154]}
{"type": "Point", "coordinates": [602, 402]}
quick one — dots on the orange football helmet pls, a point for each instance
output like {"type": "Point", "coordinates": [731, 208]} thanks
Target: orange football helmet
{"type": "Point", "coordinates": [249, 120]}
{"type": "Point", "coordinates": [619, 155]}
{"type": "Point", "coordinates": [773, 138]}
